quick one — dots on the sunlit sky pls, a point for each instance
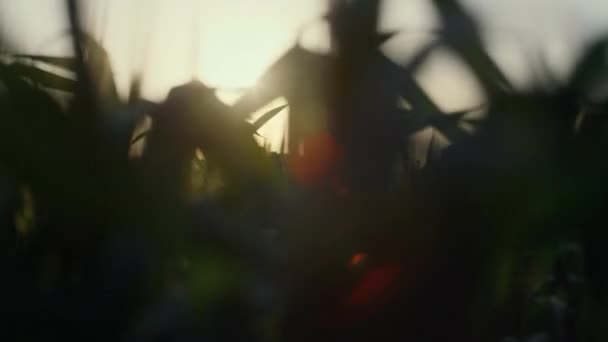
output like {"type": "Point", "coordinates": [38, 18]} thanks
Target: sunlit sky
{"type": "Point", "coordinates": [228, 43]}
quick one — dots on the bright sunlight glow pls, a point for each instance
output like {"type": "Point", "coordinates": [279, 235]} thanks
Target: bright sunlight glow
{"type": "Point", "coordinates": [229, 43]}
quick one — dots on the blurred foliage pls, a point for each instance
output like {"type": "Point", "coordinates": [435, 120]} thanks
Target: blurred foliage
{"type": "Point", "coordinates": [185, 228]}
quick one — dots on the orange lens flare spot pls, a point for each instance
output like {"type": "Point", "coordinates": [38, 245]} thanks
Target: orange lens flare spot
{"type": "Point", "coordinates": [375, 285]}
{"type": "Point", "coordinates": [317, 161]}
{"type": "Point", "coordinates": [357, 259]}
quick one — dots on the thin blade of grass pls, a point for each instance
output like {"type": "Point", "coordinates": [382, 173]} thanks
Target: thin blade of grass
{"type": "Point", "coordinates": [44, 78]}
{"type": "Point", "coordinates": [262, 120]}
{"type": "Point", "coordinates": [61, 62]}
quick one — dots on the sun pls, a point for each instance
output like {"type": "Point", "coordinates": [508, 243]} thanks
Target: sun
{"type": "Point", "coordinates": [233, 59]}
{"type": "Point", "coordinates": [232, 62]}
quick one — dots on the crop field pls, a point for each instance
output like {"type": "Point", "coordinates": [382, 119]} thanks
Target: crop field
{"type": "Point", "coordinates": [129, 219]}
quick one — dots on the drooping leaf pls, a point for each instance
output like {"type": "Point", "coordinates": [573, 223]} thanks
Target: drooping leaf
{"type": "Point", "coordinates": [140, 136]}
{"type": "Point", "coordinates": [461, 33]}
{"type": "Point", "coordinates": [68, 63]}
{"type": "Point", "coordinates": [262, 120]}
{"type": "Point", "coordinates": [449, 126]}
{"type": "Point", "coordinates": [591, 69]}
{"type": "Point", "coordinates": [44, 78]}
{"type": "Point", "coordinates": [420, 57]}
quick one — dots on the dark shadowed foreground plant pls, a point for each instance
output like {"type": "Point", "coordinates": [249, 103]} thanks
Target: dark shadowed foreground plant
{"type": "Point", "coordinates": [207, 236]}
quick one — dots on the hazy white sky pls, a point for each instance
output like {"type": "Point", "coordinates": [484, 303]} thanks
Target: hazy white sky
{"type": "Point", "coordinates": [239, 38]}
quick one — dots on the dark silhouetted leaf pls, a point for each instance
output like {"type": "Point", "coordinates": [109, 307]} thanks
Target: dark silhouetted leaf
{"type": "Point", "coordinates": [43, 77]}
{"type": "Point", "coordinates": [263, 119]}
{"type": "Point", "coordinates": [62, 62]}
